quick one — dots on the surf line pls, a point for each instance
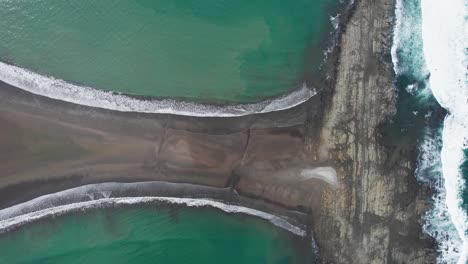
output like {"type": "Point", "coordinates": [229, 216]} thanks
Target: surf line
{"type": "Point", "coordinates": [444, 46]}
{"type": "Point", "coordinates": [62, 90]}
{"type": "Point", "coordinates": [11, 223]}
{"type": "Point", "coordinates": [95, 196]}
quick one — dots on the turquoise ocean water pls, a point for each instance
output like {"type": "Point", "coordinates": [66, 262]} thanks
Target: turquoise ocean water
{"type": "Point", "coordinates": [150, 234]}
{"type": "Point", "coordinates": [214, 51]}
{"type": "Point", "coordinates": [210, 51]}
{"type": "Point", "coordinates": [242, 51]}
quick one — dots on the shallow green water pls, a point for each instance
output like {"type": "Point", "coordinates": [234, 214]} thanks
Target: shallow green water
{"type": "Point", "coordinates": [212, 50]}
{"type": "Point", "coordinates": [152, 235]}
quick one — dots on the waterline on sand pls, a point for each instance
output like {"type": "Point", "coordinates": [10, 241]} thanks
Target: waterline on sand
{"type": "Point", "coordinates": [98, 196]}
{"type": "Point", "coordinates": [61, 90]}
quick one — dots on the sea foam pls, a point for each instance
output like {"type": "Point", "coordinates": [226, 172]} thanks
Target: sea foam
{"type": "Point", "coordinates": [431, 42]}
{"type": "Point", "coordinates": [445, 33]}
{"type": "Point", "coordinates": [85, 198]}
{"type": "Point", "coordinates": [65, 91]}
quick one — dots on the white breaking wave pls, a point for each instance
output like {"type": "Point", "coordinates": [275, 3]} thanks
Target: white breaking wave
{"type": "Point", "coordinates": [45, 206]}
{"type": "Point", "coordinates": [445, 33]}
{"type": "Point", "coordinates": [62, 90]}
{"type": "Point", "coordinates": [408, 46]}
{"type": "Point", "coordinates": [438, 221]}
{"type": "Point", "coordinates": [407, 42]}
{"type": "Point", "coordinates": [9, 223]}
{"type": "Point", "coordinates": [335, 20]}
{"type": "Point", "coordinates": [397, 35]}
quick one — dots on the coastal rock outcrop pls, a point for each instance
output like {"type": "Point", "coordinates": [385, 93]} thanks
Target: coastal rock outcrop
{"type": "Point", "coordinates": [373, 217]}
{"type": "Point", "coordinates": [370, 215]}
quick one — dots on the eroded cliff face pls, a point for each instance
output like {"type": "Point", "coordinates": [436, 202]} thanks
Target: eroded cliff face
{"type": "Point", "coordinates": [374, 215]}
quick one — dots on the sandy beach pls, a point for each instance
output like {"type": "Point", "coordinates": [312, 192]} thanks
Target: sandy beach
{"type": "Point", "coordinates": [370, 213]}
{"type": "Point", "coordinates": [49, 146]}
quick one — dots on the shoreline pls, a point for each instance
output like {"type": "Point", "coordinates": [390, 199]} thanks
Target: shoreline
{"type": "Point", "coordinates": [13, 68]}
{"type": "Point", "coordinates": [63, 90]}
{"type": "Point", "coordinates": [371, 215]}
{"type": "Point", "coordinates": [256, 160]}
{"type": "Point", "coordinates": [160, 196]}
{"type": "Point", "coordinates": [295, 119]}
{"type": "Point", "coordinates": [375, 215]}
{"type": "Point", "coordinates": [82, 95]}
{"type": "Point", "coordinates": [131, 147]}
{"type": "Point", "coordinates": [178, 194]}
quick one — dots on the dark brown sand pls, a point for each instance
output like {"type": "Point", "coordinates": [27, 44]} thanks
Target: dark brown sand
{"type": "Point", "coordinates": [48, 145]}
{"type": "Point", "coordinates": [374, 216]}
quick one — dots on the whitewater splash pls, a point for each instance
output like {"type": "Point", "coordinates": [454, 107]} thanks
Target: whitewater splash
{"type": "Point", "coordinates": [430, 37]}
{"type": "Point", "coordinates": [62, 90]}
{"type": "Point", "coordinates": [72, 200]}
{"type": "Point", "coordinates": [445, 33]}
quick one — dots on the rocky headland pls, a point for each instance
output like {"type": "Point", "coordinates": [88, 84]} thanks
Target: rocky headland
{"type": "Point", "coordinates": [374, 216]}
{"type": "Point", "coordinates": [368, 212]}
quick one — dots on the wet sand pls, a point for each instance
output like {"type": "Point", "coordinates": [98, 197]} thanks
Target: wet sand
{"type": "Point", "coordinates": [374, 216]}
{"type": "Point", "coordinates": [48, 145]}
